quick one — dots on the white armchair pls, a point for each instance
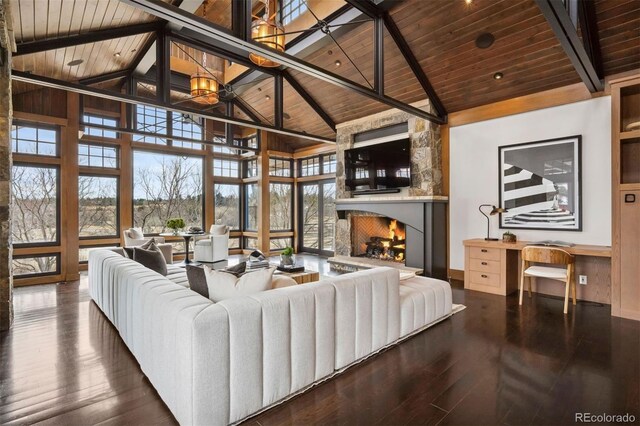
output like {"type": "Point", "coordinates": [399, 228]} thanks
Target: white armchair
{"type": "Point", "coordinates": [133, 237]}
{"type": "Point", "coordinates": [213, 247]}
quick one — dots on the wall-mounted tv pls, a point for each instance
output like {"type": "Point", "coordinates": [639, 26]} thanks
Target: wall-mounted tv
{"type": "Point", "coordinates": [379, 167]}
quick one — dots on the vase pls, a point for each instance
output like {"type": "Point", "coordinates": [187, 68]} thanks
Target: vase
{"type": "Point", "coordinates": [287, 260]}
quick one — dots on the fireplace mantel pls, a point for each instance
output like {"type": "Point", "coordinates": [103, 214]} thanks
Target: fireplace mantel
{"type": "Point", "coordinates": [426, 224]}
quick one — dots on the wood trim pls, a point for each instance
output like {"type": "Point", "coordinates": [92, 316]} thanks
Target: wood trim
{"type": "Point", "coordinates": [126, 176]}
{"type": "Point", "coordinates": [547, 99]}
{"type": "Point", "coordinates": [69, 173]}
{"type": "Point", "coordinates": [34, 159]}
{"type": "Point", "coordinates": [98, 111]}
{"type": "Point", "coordinates": [38, 118]}
{"type": "Point", "coordinates": [264, 219]}
{"type": "Point", "coordinates": [315, 150]}
{"type": "Point", "coordinates": [315, 177]}
{"type": "Point", "coordinates": [280, 154]}
{"type": "Point", "coordinates": [456, 274]}
{"type": "Point", "coordinates": [25, 251]}
{"type": "Point", "coordinates": [45, 279]}
{"type": "Point", "coordinates": [99, 171]}
{"type": "Point", "coordinates": [208, 189]}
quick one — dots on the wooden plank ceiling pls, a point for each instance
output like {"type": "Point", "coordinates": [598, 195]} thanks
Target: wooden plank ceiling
{"type": "Point", "coordinates": [441, 35]}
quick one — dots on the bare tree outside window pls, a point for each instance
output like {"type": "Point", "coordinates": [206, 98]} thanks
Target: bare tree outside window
{"type": "Point", "coordinates": [280, 208]}
{"type": "Point", "coordinates": [227, 205]}
{"type": "Point", "coordinates": [34, 215]}
{"type": "Point", "coordinates": [97, 206]}
{"type": "Point", "coordinates": [166, 186]}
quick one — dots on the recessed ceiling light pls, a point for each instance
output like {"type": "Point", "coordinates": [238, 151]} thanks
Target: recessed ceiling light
{"type": "Point", "coordinates": [468, 1]}
{"type": "Point", "coordinates": [286, 116]}
{"type": "Point", "coordinates": [267, 97]}
{"type": "Point", "coordinates": [498, 76]}
{"type": "Point", "coordinates": [338, 63]}
{"type": "Point", "coordinates": [485, 40]}
{"type": "Point", "coordinates": [75, 62]}
{"type": "Point", "coordinates": [116, 55]}
{"type": "Point", "coordinates": [330, 52]}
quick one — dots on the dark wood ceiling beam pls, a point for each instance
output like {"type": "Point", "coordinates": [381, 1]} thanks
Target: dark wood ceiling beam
{"type": "Point", "coordinates": [138, 100]}
{"type": "Point", "coordinates": [278, 101]}
{"type": "Point", "coordinates": [589, 27]}
{"type": "Point", "coordinates": [90, 37]}
{"type": "Point", "coordinates": [215, 35]}
{"type": "Point", "coordinates": [378, 53]}
{"type": "Point", "coordinates": [561, 24]}
{"type": "Point", "coordinates": [309, 100]}
{"type": "Point", "coordinates": [114, 75]}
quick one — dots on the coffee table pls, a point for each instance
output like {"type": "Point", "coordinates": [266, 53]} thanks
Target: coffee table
{"type": "Point", "coordinates": [306, 276]}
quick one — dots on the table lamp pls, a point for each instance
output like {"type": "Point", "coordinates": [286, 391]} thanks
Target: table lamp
{"type": "Point", "coordinates": [494, 210]}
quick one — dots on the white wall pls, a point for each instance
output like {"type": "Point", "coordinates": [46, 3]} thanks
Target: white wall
{"type": "Point", "coordinates": [474, 171]}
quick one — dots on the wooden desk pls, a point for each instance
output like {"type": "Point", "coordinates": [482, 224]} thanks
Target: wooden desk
{"type": "Point", "coordinates": [494, 267]}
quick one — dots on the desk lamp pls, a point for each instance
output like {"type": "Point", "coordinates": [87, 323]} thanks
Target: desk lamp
{"type": "Point", "coordinates": [494, 210]}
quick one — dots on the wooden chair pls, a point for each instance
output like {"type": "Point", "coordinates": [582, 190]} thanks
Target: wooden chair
{"type": "Point", "coordinates": [533, 254]}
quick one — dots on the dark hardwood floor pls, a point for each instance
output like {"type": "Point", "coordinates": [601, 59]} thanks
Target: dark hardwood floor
{"type": "Point", "coordinates": [493, 363]}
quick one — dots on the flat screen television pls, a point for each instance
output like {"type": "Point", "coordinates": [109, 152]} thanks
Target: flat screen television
{"type": "Point", "coordinates": [380, 167]}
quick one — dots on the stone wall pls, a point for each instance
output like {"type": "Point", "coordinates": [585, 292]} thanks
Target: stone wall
{"type": "Point", "coordinates": [426, 160]}
{"type": "Point", "coordinates": [6, 284]}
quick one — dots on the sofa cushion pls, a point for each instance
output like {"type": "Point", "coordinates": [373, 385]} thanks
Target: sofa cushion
{"type": "Point", "coordinates": [197, 280]}
{"type": "Point", "coordinates": [223, 285]}
{"type": "Point", "coordinates": [151, 258]}
{"type": "Point", "coordinates": [422, 301]}
{"type": "Point", "coordinates": [178, 275]}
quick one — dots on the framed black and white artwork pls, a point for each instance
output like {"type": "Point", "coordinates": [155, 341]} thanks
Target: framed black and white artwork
{"type": "Point", "coordinates": [540, 185]}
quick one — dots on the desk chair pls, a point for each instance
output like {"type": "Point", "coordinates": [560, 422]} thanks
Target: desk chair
{"type": "Point", "coordinates": [547, 255]}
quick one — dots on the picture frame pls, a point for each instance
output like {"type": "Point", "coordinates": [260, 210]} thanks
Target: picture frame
{"type": "Point", "coordinates": [540, 184]}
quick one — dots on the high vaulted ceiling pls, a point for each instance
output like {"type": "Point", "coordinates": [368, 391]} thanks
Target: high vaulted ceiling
{"type": "Point", "coordinates": [440, 34]}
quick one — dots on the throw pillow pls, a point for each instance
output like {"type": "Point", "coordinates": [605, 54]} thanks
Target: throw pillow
{"type": "Point", "coordinates": [280, 281]}
{"type": "Point", "coordinates": [129, 252]}
{"type": "Point", "coordinates": [136, 233]}
{"type": "Point", "coordinates": [238, 269]}
{"type": "Point", "coordinates": [151, 258]}
{"type": "Point", "coordinates": [148, 243]}
{"type": "Point", "coordinates": [197, 280]}
{"type": "Point", "coordinates": [223, 285]}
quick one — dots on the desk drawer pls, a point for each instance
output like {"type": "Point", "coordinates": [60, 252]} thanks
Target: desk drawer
{"type": "Point", "coordinates": [481, 265]}
{"type": "Point", "coordinates": [484, 253]}
{"type": "Point", "coordinates": [485, 278]}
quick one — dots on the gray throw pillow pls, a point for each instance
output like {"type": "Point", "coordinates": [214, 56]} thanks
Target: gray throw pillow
{"type": "Point", "coordinates": [148, 243]}
{"type": "Point", "coordinates": [151, 258]}
{"type": "Point", "coordinates": [238, 269]}
{"type": "Point", "coordinates": [128, 251]}
{"type": "Point", "coordinates": [197, 280]}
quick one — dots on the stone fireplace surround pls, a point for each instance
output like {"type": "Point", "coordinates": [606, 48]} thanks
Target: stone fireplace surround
{"type": "Point", "coordinates": [422, 208]}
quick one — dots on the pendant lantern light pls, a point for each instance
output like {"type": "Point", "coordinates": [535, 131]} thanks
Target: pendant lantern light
{"type": "Point", "coordinates": [269, 32]}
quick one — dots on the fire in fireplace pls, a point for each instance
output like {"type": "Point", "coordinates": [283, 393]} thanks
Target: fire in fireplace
{"type": "Point", "coordinates": [378, 238]}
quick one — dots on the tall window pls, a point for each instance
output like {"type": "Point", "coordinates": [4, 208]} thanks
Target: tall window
{"type": "Point", "coordinates": [251, 168]}
{"type": "Point", "coordinates": [152, 120]}
{"type": "Point", "coordinates": [185, 126]}
{"type": "Point", "coordinates": [35, 204]}
{"type": "Point", "coordinates": [102, 121]}
{"type": "Point", "coordinates": [281, 206]}
{"type": "Point", "coordinates": [34, 140]}
{"type": "Point", "coordinates": [226, 168]}
{"type": "Point", "coordinates": [98, 206]}
{"type": "Point", "coordinates": [98, 156]}
{"type": "Point", "coordinates": [164, 187]}
{"type": "Point", "coordinates": [329, 163]}
{"type": "Point", "coordinates": [227, 205]}
{"type": "Point", "coordinates": [291, 9]}
{"type": "Point", "coordinates": [251, 203]}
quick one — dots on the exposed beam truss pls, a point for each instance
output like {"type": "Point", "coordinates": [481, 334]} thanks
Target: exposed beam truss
{"type": "Point", "coordinates": [563, 26]}
{"type": "Point", "coordinates": [309, 100]}
{"type": "Point", "coordinates": [101, 78]}
{"type": "Point", "coordinates": [382, 20]}
{"type": "Point", "coordinates": [138, 100]}
{"type": "Point", "coordinates": [211, 34]}
{"type": "Point", "coordinates": [90, 37]}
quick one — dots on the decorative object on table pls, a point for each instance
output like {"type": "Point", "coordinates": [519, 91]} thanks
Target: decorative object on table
{"type": "Point", "coordinates": [290, 268]}
{"type": "Point", "coordinates": [195, 230]}
{"type": "Point", "coordinates": [176, 225]}
{"type": "Point", "coordinates": [257, 260]}
{"type": "Point", "coordinates": [509, 237]}
{"type": "Point", "coordinates": [287, 258]}
{"type": "Point", "coordinates": [632, 126]}
{"type": "Point", "coordinates": [540, 184]}
{"type": "Point", "coordinates": [494, 210]}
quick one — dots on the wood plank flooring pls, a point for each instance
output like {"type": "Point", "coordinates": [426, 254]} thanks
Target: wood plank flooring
{"type": "Point", "coordinates": [494, 363]}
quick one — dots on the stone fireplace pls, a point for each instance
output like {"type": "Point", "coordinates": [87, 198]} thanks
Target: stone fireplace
{"type": "Point", "coordinates": [364, 238]}
{"type": "Point", "coordinates": [378, 237]}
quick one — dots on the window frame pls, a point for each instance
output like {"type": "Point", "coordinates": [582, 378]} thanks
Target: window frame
{"type": "Point", "coordinates": [102, 146]}
{"type": "Point", "coordinates": [37, 126]}
{"type": "Point", "coordinates": [245, 195]}
{"type": "Point", "coordinates": [291, 207]}
{"type": "Point", "coordinates": [86, 124]}
{"type": "Point", "coordinates": [281, 160]}
{"type": "Point", "coordinates": [57, 271]}
{"type": "Point", "coordinates": [241, 206]}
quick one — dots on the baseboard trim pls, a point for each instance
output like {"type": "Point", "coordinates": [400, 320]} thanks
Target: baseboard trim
{"type": "Point", "coordinates": [456, 274]}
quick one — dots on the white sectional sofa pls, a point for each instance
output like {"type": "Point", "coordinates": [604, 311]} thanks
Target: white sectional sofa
{"type": "Point", "coordinates": [218, 363]}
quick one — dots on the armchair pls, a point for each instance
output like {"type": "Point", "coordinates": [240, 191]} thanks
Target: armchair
{"type": "Point", "coordinates": [133, 237]}
{"type": "Point", "coordinates": [213, 247]}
